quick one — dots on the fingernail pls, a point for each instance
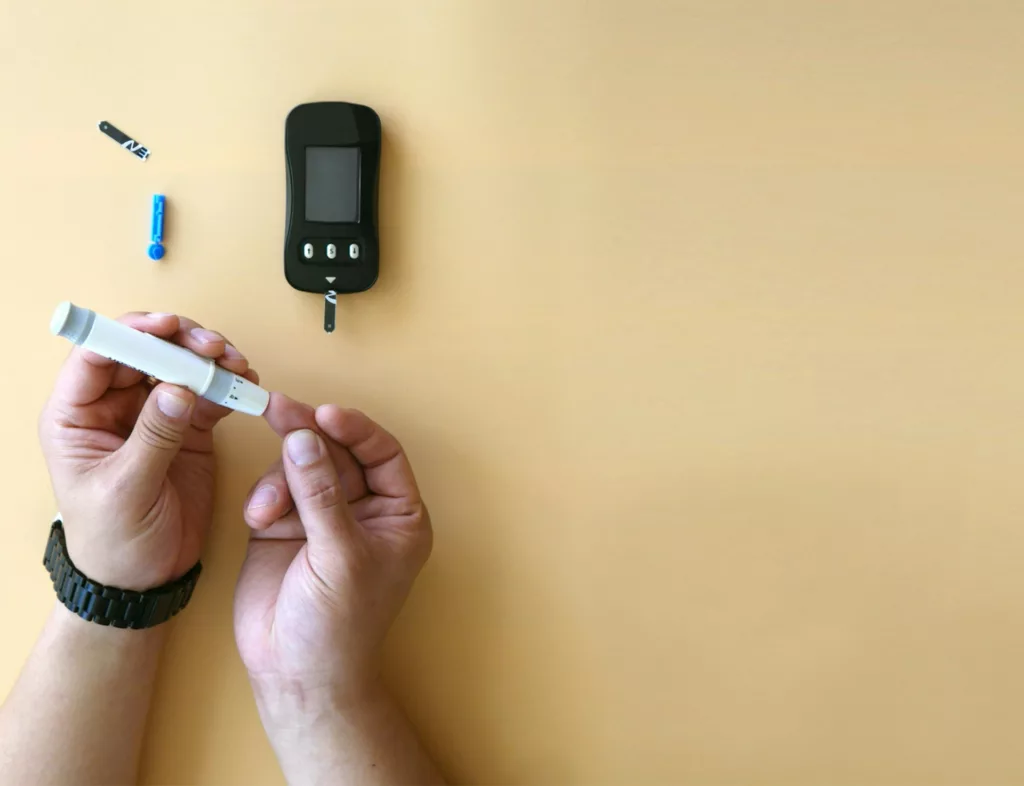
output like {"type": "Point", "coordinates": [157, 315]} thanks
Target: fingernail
{"type": "Point", "coordinates": [233, 354]}
{"type": "Point", "coordinates": [159, 315]}
{"type": "Point", "coordinates": [172, 406]}
{"type": "Point", "coordinates": [303, 447]}
{"type": "Point", "coordinates": [263, 497]}
{"type": "Point", "coordinates": [204, 336]}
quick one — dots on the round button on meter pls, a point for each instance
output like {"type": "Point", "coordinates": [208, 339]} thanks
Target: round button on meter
{"type": "Point", "coordinates": [307, 251]}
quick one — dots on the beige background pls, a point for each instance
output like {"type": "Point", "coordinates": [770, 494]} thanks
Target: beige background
{"type": "Point", "coordinates": [701, 322]}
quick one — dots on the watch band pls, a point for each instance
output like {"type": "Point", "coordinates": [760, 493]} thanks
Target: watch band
{"type": "Point", "coordinates": [118, 608]}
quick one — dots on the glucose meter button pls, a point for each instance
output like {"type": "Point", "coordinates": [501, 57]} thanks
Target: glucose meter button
{"type": "Point", "coordinates": [332, 251]}
{"type": "Point", "coordinates": [307, 251]}
{"type": "Point", "coordinates": [353, 251]}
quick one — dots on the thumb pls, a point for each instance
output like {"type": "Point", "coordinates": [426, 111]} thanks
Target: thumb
{"type": "Point", "coordinates": [159, 432]}
{"type": "Point", "coordinates": [317, 492]}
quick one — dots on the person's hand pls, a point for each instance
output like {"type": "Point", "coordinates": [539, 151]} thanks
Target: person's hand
{"type": "Point", "coordinates": [339, 533]}
{"type": "Point", "coordinates": [133, 466]}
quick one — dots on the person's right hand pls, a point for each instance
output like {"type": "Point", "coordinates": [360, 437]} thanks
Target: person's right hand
{"type": "Point", "coordinates": [339, 533]}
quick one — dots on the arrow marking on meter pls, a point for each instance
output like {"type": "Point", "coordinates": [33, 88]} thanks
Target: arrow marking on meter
{"type": "Point", "coordinates": [330, 279]}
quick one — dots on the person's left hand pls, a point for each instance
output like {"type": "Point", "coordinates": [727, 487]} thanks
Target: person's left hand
{"type": "Point", "coordinates": [132, 465]}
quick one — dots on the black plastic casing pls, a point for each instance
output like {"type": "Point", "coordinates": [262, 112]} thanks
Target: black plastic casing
{"type": "Point", "coordinates": [332, 124]}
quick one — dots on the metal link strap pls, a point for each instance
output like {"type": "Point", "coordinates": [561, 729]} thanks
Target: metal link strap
{"type": "Point", "coordinates": [103, 605]}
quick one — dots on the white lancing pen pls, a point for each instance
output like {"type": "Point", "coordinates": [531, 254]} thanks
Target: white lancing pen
{"type": "Point", "coordinates": [157, 358]}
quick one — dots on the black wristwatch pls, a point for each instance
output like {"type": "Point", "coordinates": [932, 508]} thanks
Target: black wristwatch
{"type": "Point", "coordinates": [118, 608]}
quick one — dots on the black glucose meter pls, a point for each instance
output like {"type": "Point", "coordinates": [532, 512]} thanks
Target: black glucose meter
{"type": "Point", "coordinates": [332, 152]}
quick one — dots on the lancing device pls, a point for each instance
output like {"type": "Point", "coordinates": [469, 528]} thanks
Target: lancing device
{"type": "Point", "coordinates": [158, 358]}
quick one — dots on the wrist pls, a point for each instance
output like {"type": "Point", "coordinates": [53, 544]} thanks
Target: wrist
{"type": "Point", "coordinates": [323, 734]}
{"type": "Point", "coordinates": [300, 704]}
{"type": "Point", "coordinates": [331, 736]}
{"type": "Point", "coordinates": [115, 559]}
{"type": "Point", "coordinates": [117, 643]}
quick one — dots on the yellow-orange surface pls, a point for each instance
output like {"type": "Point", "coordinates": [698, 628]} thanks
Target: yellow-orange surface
{"type": "Point", "coordinates": [701, 322]}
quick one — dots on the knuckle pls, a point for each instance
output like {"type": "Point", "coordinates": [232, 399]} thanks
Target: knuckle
{"type": "Point", "coordinates": [322, 492]}
{"type": "Point", "coordinates": [59, 414]}
{"type": "Point", "coordinates": [157, 434]}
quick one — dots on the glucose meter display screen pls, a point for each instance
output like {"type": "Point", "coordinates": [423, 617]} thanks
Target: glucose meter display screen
{"type": "Point", "coordinates": [332, 184]}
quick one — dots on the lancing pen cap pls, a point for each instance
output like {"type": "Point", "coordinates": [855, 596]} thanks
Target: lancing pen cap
{"type": "Point", "coordinates": [158, 358]}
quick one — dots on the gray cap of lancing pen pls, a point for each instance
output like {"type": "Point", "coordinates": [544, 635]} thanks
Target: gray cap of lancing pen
{"type": "Point", "coordinates": [158, 358]}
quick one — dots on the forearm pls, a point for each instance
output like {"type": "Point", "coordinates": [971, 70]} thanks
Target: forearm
{"type": "Point", "coordinates": [78, 711]}
{"type": "Point", "coordinates": [320, 739]}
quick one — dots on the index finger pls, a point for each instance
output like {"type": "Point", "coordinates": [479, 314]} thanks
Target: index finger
{"type": "Point", "coordinates": [286, 415]}
{"type": "Point", "coordinates": [385, 465]}
{"type": "Point", "coordinates": [86, 376]}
